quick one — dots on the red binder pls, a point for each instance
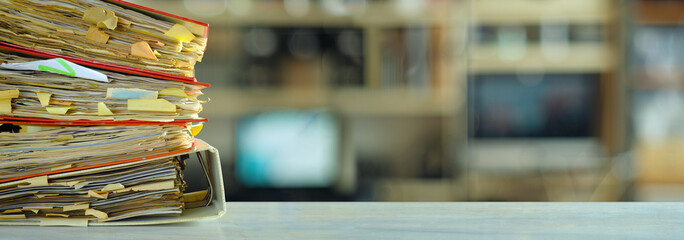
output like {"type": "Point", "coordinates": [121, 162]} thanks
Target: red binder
{"type": "Point", "coordinates": [168, 154]}
{"type": "Point", "coordinates": [192, 24]}
{"type": "Point", "coordinates": [153, 156]}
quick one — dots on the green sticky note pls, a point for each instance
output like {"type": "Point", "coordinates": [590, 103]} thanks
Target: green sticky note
{"type": "Point", "coordinates": [69, 71]}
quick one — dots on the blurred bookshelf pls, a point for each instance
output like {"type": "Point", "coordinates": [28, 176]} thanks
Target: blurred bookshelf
{"type": "Point", "coordinates": [390, 69]}
{"type": "Point", "coordinates": [547, 55]}
{"type": "Point", "coordinates": [531, 12]}
{"type": "Point", "coordinates": [347, 101]}
{"type": "Point", "coordinates": [318, 71]}
{"type": "Point", "coordinates": [656, 31]}
{"type": "Point", "coordinates": [430, 91]}
{"type": "Point", "coordinates": [374, 13]}
{"type": "Point", "coordinates": [581, 58]}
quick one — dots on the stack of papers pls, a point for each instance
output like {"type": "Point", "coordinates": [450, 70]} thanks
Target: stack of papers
{"type": "Point", "coordinates": [53, 148]}
{"type": "Point", "coordinates": [128, 191]}
{"type": "Point", "coordinates": [104, 32]}
{"type": "Point", "coordinates": [47, 94]}
{"type": "Point", "coordinates": [83, 138]}
{"type": "Point", "coordinates": [92, 173]}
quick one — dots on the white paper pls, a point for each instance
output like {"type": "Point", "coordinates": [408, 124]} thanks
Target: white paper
{"type": "Point", "coordinates": [59, 66]}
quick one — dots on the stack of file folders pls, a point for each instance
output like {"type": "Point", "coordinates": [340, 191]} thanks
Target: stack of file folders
{"type": "Point", "coordinates": [99, 111]}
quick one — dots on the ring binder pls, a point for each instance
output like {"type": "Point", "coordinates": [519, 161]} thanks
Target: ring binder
{"type": "Point", "coordinates": [214, 207]}
{"type": "Point", "coordinates": [139, 15]}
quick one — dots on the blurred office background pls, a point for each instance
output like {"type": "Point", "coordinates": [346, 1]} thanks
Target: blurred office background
{"type": "Point", "coordinates": [444, 100]}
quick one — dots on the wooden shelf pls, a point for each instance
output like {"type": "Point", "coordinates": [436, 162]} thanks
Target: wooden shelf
{"type": "Point", "coordinates": [660, 78]}
{"type": "Point", "coordinates": [416, 189]}
{"type": "Point", "coordinates": [659, 162]}
{"type": "Point", "coordinates": [660, 12]}
{"type": "Point", "coordinates": [348, 101]}
{"type": "Point", "coordinates": [582, 57]}
{"type": "Point", "coordinates": [372, 99]}
{"type": "Point", "coordinates": [376, 14]}
{"type": "Point", "coordinates": [395, 102]}
{"type": "Point", "coordinates": [534, 11]}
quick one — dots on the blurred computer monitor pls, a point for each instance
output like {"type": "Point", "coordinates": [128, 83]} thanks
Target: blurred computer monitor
{"type": "Point", "coordinates": [288, 149]}
{"type": "Point", "coordinates": [534, 106]}
{"type": "Point", "coordinates": [534, 122]}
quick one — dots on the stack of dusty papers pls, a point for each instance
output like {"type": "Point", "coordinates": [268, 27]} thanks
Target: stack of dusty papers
{"type": "Point", "coordinates": [35, 93]}
{"type": "Point", "coordinates": [98, 173]}
{"type": "Point", "coordinates": [146, 188]}
{"type": "Point", "coordinates": [83, 138]}
{"type": "Point", "coordinates": [103, 32]}
{"type": "Point", "coordinates": [54, 147]}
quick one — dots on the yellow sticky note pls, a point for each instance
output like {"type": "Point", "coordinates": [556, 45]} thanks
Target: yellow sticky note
{"type": "Point", "coordinates": [63, 138]}
{"type": "Point", "coordinates": [143, 50]}
{"type": "Point", "coordinates": [69, 222]}
{"type": "Point", "coordinates": [100, 195]}
{"type": "Point", "coordinates": [37, 181]}
{"type": "Point", "coordinates": [151, 105]}
{"type": "Point", "coordinates": [14, 93]}
{"type": "Point", "coordinates": [6, 105]}
{"type": "Point", "coordinates": [196, 129]}
{"type": "Point", "coordinates": [180, 32]}
{"type": "Point", "coordinates": [58, 110]}
{"type": "Point", "coordinates": [109, 23]}
{"type": "Point", "coordinates": [44, 98]}
{"type": "Point", "coordinates": [80, 185]}
{"type": "Point", "coordinates": [176, 92]}
{"type": "Point", "coordinates": [78, 206]}
{"type": "Point", "coordinates": [154, 186]}
{"type": "Point", "coordinates": [10, 211]}
{"type": "Point", "coordinates": [103, 110]}
{"type": "Point", "coordinates": [101, 17]}
{"type": "Point", "coordinates": [113, 187]}
{"type": "Point", "coordinates": [96, 35]}
{"type": "Point", "coordinates": [96, 213]}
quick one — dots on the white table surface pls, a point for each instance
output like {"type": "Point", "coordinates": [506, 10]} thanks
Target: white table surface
{"type": "Point", "coordinates": [354, 220]}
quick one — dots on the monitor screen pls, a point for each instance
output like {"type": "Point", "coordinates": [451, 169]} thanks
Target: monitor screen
{"type": "Point", "coordinates": [533, 106]}
{"type": "Point", "coordinates": [288, 149]}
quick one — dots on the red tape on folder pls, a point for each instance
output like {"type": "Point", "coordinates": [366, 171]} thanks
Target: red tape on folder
{"type": "Point", "coordinates": [45, 121]}
{"type": "Point", "coordinates": [150, 10]}
{"type": "Point", "coordinates": [177, 152]}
